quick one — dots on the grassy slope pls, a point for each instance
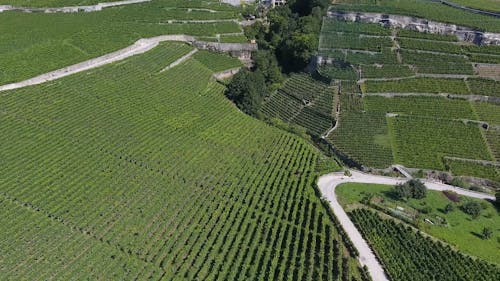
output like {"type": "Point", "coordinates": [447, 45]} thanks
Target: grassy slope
{"type": "Point", "coordinates": [43, 42]}
{"type": "Point", "coordinates": [152, 172]}
{"type": "Point", "coordinates": [462, 231]}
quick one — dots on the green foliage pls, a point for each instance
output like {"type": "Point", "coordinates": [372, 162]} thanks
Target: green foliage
{"type": "Point", "coordinates": [123, 172]}
{"type": "Point", "coordinates": [437, 63]}
{"type": "Point", "coordinates": [438, 107]}
{"type": "Point", "coordinates": [425, 35]}
{"type": "Point", "coordinates": [487, 233]}
{"type": "Point", "coordinates": [434, 139]}
{"type": "Point", "coordinates": [484, 87]}
{"type": "Point", "coordinates": [364, 137]}
{"type": "Point", "coordinates": [413, 188]}
{"type": "Point", "coordinates": [304, 101]}
{"type": "Point", "coordinates": [472, 208]}
{"type": "Point", "coordinates": [423, 9]}
{"type": "Point", "coordinates": [43, 42]}
{"type": "Point", "coordinates": [385, 71]}
{"type": "Point", "coordinates": [247, 90]}
{"type": "Point", "coordinates": [330, 40]}
{"type": "Point", "coordinates": [217, 61]}
{"type": "Point", "coordinates": [449, 208]}
{"type": "Point", "coordinates": [407, 255]}
{"type": "Point", "coordinates": [339, 70]}
{"type": "Point", "coordinates": [418, 85]}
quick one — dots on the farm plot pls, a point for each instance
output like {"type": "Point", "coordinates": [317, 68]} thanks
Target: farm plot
{"type": "Point", "coordinates": [418, 85]}
{"type": "Point", "coordinates": [338, 71]}
{"type": "Point", "coordinates": [437, 107]}
{"type": "Point", "coordinates": [44, 42]}
{"type": "Point", "coordinates": [437, 63]}
{"type": "Point", "coordinates": [423, 142]}
{"type": "Point", "coordinates": [333, 40]}
{"type": "Point", "coordinates": [484, 87]}
{"type": "Point", "coordinates": [217, 62]}
{"type": "Point", "coordinates": [334, 25]}
{"type": "Point", "coordinates": [128, 173]}
{"type": "Point", "coordinates": [473, 169]}
{"type": "Point", "coordinates": [424, 45]}
{"type": "Point", "coordinates": [408, 255]}
{"type": "Point", "coordinates": [303, 101]}
{"type": "Point", "coordinates": [363, 137]}
{"type": "Point", "coordinates": [385, 71]}
{"type": "Point", "coordinates": [423, 9]}
{"type": "Point", "coordinates": [425, 35]}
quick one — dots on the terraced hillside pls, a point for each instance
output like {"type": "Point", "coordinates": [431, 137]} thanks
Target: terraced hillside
{"type": "Point", "coordinates": [304, 101]}
{"type": "Point", "coordinates": [420, 99]}
{"type": "Point", "coordinates": [43, 42]}
{"type": "Point", "coordinates": [124, 172]}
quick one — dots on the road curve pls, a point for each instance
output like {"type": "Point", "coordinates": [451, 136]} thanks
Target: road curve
{"type": "Point", "coordinates": [328, 183]}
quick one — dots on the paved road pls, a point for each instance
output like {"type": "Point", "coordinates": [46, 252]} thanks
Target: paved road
{"type": "Point", "coordinates": [329, 182]}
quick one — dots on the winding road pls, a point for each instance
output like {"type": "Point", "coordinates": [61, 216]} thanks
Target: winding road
{"type": "Point", "coordinates": [329, 182]}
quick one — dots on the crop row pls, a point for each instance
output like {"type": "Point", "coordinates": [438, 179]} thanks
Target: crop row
{"type": "Point", "coordinates": [44, 42]}
{"type": "Point", "coordinates": [303, 101]}
{"type": "Point", "coordinates": [423, 142]}
{"type": "Point", "coordinates": [437, 107]}
{"type": "Point", "coordinates": [161, 170]}
{"type": "Point", "coordinates": [408, 255]}
{"type": "Point", "coordinates": [334, 40]}
{"type": "Point", "coordinates": [363, 137]}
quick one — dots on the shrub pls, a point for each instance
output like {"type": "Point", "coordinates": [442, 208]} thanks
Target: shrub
{"type": "Point", "coordinates": [453, 196]}
{"type": "Point", "coordinates": [472, 208]}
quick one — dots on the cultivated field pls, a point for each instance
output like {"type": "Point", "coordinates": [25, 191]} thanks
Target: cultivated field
{"type": "Point", "coordinates": [418, 100]}
{"type": "Point", "coordinates": [124, 172]}
{"type": "Point", "coordinates": [454, 227]}
{"type": "Point", "coordinates": [44, 42]}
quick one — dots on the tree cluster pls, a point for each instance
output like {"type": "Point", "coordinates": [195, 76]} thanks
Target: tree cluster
{"type": "Point", "coordinates": [292, 32]}
{"type": "Point", "coordinates": [413, 188]}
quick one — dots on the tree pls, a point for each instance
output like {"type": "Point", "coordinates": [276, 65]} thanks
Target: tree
{"type": "Point", "coordinates": [266, 62]}
{"type": "Point", "coordinates": [402, 191]}
{"type": "Point", "coordinates": [246, 90]}
{"type": "Point", "coordinates": [449, 208]}
{"type": "Point", "coordinates": [472, 208]}
{"type": "Point", "coordinates": [413, 188]}
{"type": "Point", "coordinates": [497, 197]}
{"type": "Point", "coordinates": [487, 233]}
{"type": "Point", "coordinates": [418, 188]}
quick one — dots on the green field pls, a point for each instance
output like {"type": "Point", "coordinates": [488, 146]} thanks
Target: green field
{"type": "Point", "coordinates": [44, 42]}
{"type": "Point", "coordinates": [51, 3]}
{"type": "Point", "coordinates": [407, 255]}
{"type": "Point", "coordinates": [422, 142]}
{"type": "Point", "coordinates": [303, 101]}
{"type": "Point", "coordinates": [460, 230]}
{"type": "Point", "coordinates": [123, 172]}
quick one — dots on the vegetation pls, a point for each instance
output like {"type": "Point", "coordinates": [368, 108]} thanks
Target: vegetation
{"type": "Point", "coordinates": [413, 188]}
{"type": "Point", "coordinates": [434, 139]}
{"type": "Point", "coordinates": [412, 256]}
{"type": "Point", "coordinates": [418, 85]}
{"type": "Point", "coordinates": [123, 172]}
{"type": "Point", "coordinates": [385, 71]}
{"type": "Point", "coordinates": [364, 138]}
{"type": "Point", "coordinates": [217, 62]}
{"type": "Point", "coordinates": [424, 9]}
{"type": "Point", "coordinates": [438, 107]}
{"type": "Point", "coordinates": [43, 42]}
{"type": "Point", "coordinates": [437, 63]}
{"type": "Point", "coordinates": [304, 101]}
{"type": "Point", "coordinates": [454, 227]}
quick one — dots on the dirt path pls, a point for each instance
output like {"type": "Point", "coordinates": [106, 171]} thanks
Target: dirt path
{"type": "Point", "coordinates": [329, 182]}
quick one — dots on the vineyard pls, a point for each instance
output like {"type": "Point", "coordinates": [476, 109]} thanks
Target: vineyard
{"type": "Point", "coordinates": [423, 9]}
{"type": "Point", "coordinates": [454, 226]}
{"type": "Point", "coordinates": [408, 255]}
{"type": "Point", "coordinates": [425, 83]}
{"type": "Point", "coordinates": [433, 139]}
{"type": "Point", "coordinates": [44, 42]}
{"type": "Point", "coordinates": [304, 101]}
{"type": "Point", "coordinates": [175, 184]}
